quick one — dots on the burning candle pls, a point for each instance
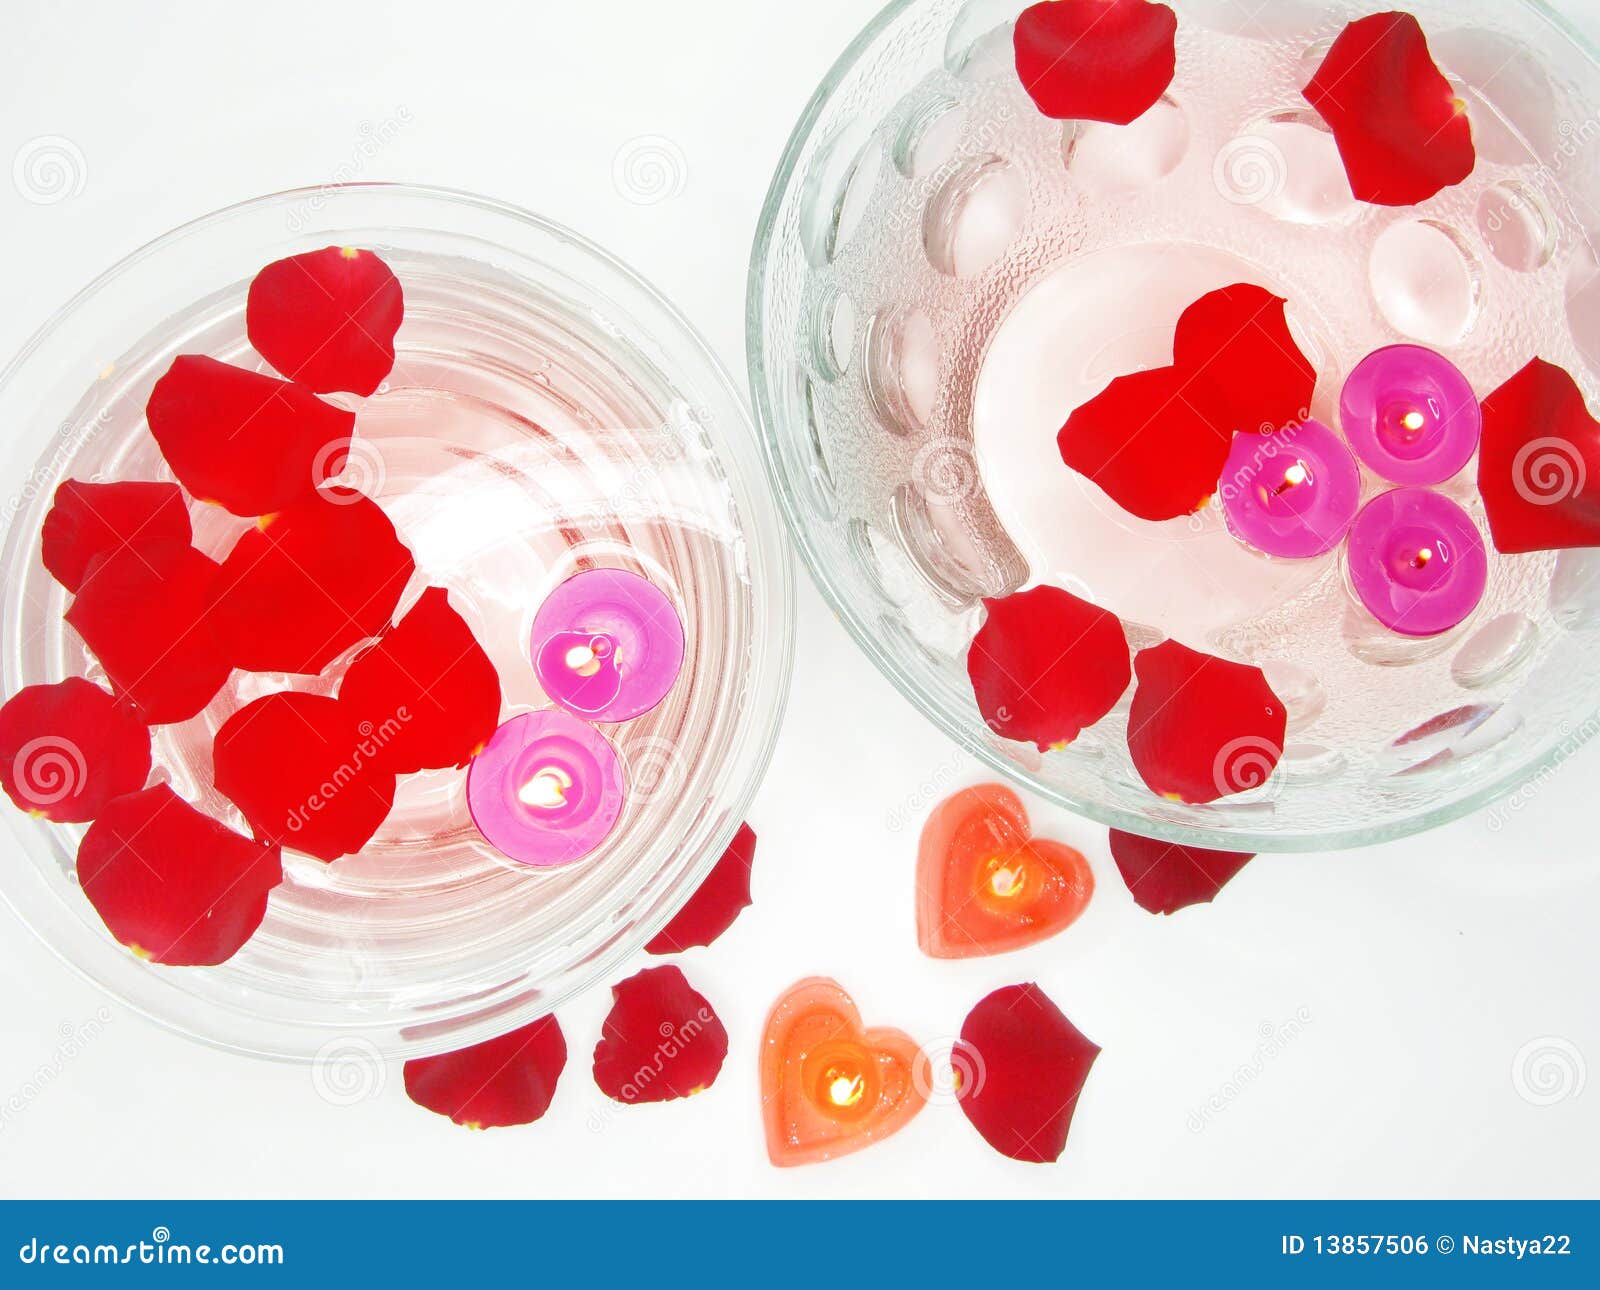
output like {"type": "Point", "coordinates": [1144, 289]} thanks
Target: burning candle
{"type": "Point", "coordinates": [1291, 493]}
{"type": "Point", "coordinates": [607, 645]}
{"type": "Point", "coordinates": [546, 789]}
{"type": "Point", "coordinates": [1411, 415]}
{"type": "Point", "coordinates": [1417, 561]}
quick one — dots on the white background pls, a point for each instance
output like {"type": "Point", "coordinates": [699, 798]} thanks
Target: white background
{"type": "Point", "coordinates": [1357, 1018]}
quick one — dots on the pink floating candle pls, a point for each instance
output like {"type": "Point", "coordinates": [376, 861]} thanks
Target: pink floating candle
{"type": "Point", "coordinates": [1411, 415]}
{"type": "Point", "coordinates": [607, 645]}
{"type": "Point", "coordinates": [1290, 493]}
{"type": "Point", "coordinates": [1417, 561]}
{"type": "Point", "coordinates": [546, 789]}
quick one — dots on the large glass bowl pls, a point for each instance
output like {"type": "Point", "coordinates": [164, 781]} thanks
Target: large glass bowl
{"type": "Point", "coordinates": [925, 214]}
{"type": "Point", "coordinates": [548, 411]}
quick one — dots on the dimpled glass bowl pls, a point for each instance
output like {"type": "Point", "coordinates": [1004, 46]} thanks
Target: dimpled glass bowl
{"type": "Point", "coordinates": [547, 412]}
{"type": "Point", "coordinates": [942, 275]}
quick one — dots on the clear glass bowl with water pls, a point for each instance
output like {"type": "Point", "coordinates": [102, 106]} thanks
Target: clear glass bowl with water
{"type": "Point", "coordinates": [942, 275]}
{"type": "Point", "coordinates": [547, 412]}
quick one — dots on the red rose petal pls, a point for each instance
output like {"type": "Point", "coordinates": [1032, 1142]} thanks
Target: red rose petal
{"type": "Point", "coordinates": [303, 774]}
{"type": "Point", "coordinates": [505, 1081]}
{"type": "Point", "coordinates": [68, 749]}
{"type": "Point", "coordinates": [1539, 466]}
{"type": "Point", "coordinates": [327, 318]}
{"type": "Point", "coordinates": [427, 690]}
{"type": "Point", "coordinates": [248, 442]}
{"type": "Point", "coordinates": [1402, 131]}
{"type": "Point", "coordinates": [716, 902]}
{"type": "Point", "coordinates": [173, 885]}
{"type": "Point", "coordinates": [1202, 728]}
{"type": "Point", "coordinates": [661, 1040]}
{"type": "Point", "coordinates": [1149, 443]}
{"type": "Point", "coordinates": [1023, 1065]}
{"type": "Point", "coordinates": [306, 585]}
{"type": "Point", "coordinates": [1165, 877]}
{"type": "Point", "coordinates": [87, 521]}
{"type": "Point", "coordinates": [1249, 375]}
{"type": "Point", "coordinates": [1096, 60]}
{"type": "Point", "coordinates": [1046, 665]}
{"type": "Point", "coordinates": [144, 612]}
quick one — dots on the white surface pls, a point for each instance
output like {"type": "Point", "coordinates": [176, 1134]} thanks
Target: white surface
{"type": "Point", "coordinates": [1418, 971]}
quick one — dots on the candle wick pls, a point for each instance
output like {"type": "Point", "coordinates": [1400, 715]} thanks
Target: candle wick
{"type": "Point", "coordinates": [1296, 474]}
{"type": "Point", "coordinates": [1420, 560]}
{"type": "Point", "coordinates": [547, 790]}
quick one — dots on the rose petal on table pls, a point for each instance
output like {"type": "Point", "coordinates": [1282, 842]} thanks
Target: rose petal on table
{"type": "Point", "coordinates": [716, 902]}
{"type": "Point", "coordinates": [68, 749]}
{"type": "Point", "coordinates": [145, 613]}
{"type": "Point", "coordinates": [661, 1040]}
{"type": "Point", "coordinates": [1202, 728]}
{"type": "Point", "coordinates": [1046, 665]}
{"type": "Point", "coordinates": [1096, 60]}
{"type": "Point", "coordinates": [1539, 464]}
{"type": "Point", "coordinates": [1165, 877]}
{"type": "Point", "coordinates": [1022, 1066]}
{"type": "Point", "coordinates": [303, 773]}
{"type": "Point", "coordinates": [427, 690]}
{"type": "Point", "coordinates": [1401, 129]}
{"type": "Point", "coordinates": [87, 521]}
{"type": "Point", "coordinates": [248, 442]}
{"type": "Point", "coordinates": [1147, 441]}
{"type": "Point", "coordinates": [493, 1085]}
{"type": "Point", "coordinates": [304, 586]}
{"type": "Point", "coordinates": [172, 884]}
{"type": "Point", "coordinates": [1248, 373]}
{"type": "Point", "coordinates": [327, 318]}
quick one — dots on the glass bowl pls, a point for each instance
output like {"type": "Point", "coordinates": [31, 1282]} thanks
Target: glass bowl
{"type": "Point", "coordinates": [548, 412]}
{"type": "Point", "coordinates": [941, 275]}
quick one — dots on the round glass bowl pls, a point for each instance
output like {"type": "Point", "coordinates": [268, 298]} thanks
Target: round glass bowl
{"type": "Point", "coordinates": [548, 412]}
{"type": "Point", "coordinates": [942, 275]}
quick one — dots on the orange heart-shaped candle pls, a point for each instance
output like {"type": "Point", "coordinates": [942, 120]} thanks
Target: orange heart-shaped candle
{"type": "Point", "coordinates": [828, 1085]}
{"type": "Point", "coordinates": [985, 885]}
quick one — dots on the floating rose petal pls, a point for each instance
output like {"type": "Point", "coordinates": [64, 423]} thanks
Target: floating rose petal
{"type": "Point", "coordinates": [1165, 877]}
{"type": "Point", "coordinates": [661, 1040]}
{"type": "Point", "coordinates": [248, 442]}
{"type": "Point", "coordinates": [1149, 444]}
{"type": "Point", "coordinates": [1096, 60]}
{"type": "Point", "coordinates": [829, 1087]}
{"type": "Point", "coordinates": [427, 690]}
{"type": "Point", "coordinates": [1539, 466]}
{"type": "Point", "coordinates": [68, 749]}
{"type": "Point", "coordinates": [1029, 1064]}
{"type": "Point", "coordinates": [1046, 665]}
{"type": "Point", "coordinates": [87, 521]}
{"type": "Point", "coordinates": [144, 612]}
{"type": "Point", "coordinates": [1248, 373]}
{"type": "Point", "coordinates": [303, 774]}
{"type": "Point", "coordinates": [716, 902]}
{"type": "Point", "coordinates": [327, 318]}
{"type": "Point", "coordinates": [1402, 131]}
{"type": "Point", "coordinates": [1202, 728]}
{"type": "Point", "coordinates": [985, 885]}
{"type": "Point", "coordinates": [174, 885]}
{"type": "Point", "coordinates": [505, 1081]}
{"type": "Point", "coordinates": [302, 587]}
